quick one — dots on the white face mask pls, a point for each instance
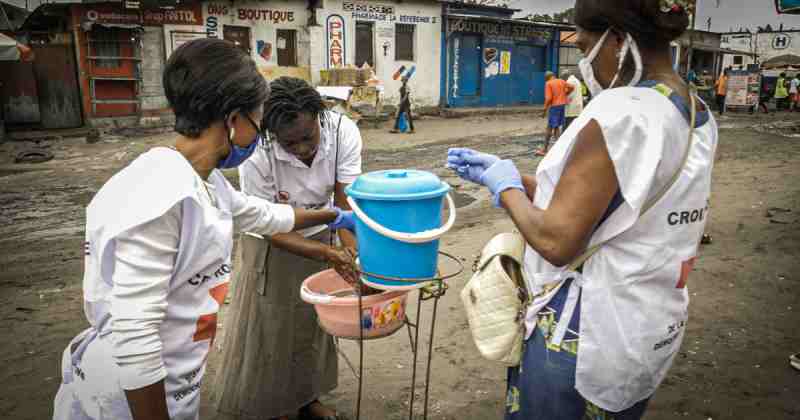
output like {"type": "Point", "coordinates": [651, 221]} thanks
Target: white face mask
{"type": "Point", "coordinates": [585, 64]}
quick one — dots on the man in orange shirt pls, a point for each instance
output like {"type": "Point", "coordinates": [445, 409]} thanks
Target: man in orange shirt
{"type": "Point", "coordinates": [556, 92]}
{"type": "Point", "coordinates": [722, 90]}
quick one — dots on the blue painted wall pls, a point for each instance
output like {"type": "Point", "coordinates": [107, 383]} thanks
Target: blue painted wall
{"type": "Point", "coordinates": [471, 80]}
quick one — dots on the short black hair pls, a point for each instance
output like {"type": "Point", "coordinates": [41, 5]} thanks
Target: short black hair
{"type": "Point", "coordinates": [289, 97]}
{"type": "Point", "coordinates": [205, 80]}
{"type": "Point", "coordinates": [643, 19]}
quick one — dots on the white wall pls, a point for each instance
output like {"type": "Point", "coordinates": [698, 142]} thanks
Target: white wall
{"type": "Point", "coordinates": [739, 42]}
{"type": "Point", "coordinates": [768, 45]}
{"type": "Point", "coordinates": [264, 18]}
{"type": "Point", "coordinates": [426, 15]}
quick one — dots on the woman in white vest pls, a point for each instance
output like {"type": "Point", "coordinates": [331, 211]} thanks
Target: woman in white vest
{"type": "Point", "coordinates": [159, 236]}
{"type": "Point", "coordinates": [277, 361]}
{"type": "Point", "coordinates": [627, 186]}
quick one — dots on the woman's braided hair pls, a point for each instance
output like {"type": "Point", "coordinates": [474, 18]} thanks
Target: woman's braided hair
{"type": "Point", "coordinates": [289, 97]}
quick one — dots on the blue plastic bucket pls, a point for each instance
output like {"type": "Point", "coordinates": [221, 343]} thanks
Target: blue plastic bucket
{"type": "Point", "coordinates": [399, 223]}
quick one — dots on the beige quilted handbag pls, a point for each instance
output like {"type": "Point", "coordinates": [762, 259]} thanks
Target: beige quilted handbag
{"type": "Point", "coordinates": [495, 299]}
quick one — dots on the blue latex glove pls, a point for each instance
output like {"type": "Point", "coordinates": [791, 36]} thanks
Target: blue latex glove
{"type": "Point", "coordinates": [470, 164]}
{"type": "Point", "coordinates": [502, 176]}
{"type": "Point", "coordinates": [345, 219]}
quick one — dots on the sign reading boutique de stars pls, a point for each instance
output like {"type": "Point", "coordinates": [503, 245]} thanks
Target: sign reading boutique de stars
{"type": "Point", "coordinates": [498, 29]}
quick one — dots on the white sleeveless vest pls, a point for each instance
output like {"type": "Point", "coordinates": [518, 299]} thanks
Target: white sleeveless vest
{"type": "Point", "coordinates": [634, 301]}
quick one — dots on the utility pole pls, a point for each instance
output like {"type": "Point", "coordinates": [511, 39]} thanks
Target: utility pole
{"type": "Point", "coordinates": [691, 38]}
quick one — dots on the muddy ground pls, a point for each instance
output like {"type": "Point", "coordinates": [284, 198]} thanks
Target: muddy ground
{"type": "Point", "coordinates": [745, 290]}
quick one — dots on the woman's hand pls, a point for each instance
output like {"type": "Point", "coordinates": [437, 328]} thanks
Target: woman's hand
{"type": "Point", "coordinates": [470, 164]}
{"type": "Point", "coordinates": [344, 220]}
{"type": "Point", "coordinates": [343, 261]}
{"type": "Point", "coordinates": [485, 169]}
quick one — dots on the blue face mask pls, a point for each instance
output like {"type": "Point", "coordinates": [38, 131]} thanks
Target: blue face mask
{"type": "Point", "coordinates": [239, 154]}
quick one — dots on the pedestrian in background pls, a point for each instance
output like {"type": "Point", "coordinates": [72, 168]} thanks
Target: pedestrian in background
{"type": "Point", "coordinates": [794, 93]}
{"type": "Point", "coordinates": [722, 90]}
{"type": "Point", "coordinates": [575, 105]}
{"type": "Point", "coordinates": [781, 92]}
{"type": "Point", "coordinates": [555, 102]}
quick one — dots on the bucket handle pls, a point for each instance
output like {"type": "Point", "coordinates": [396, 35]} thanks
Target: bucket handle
{"type": "Point", "coordinates": [314, 298]}
{"type": "Point", "coordinates": [411, 238]}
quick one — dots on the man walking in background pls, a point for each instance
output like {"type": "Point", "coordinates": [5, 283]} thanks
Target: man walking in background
{"type": "Point", "coordinates": [575, 105]}
{"type": "Point", "coordinates": [722, 90]}
{"type": "Point", "coordinates": [794, 93]}
{"type": "Point", "coordinates": [555, 101]}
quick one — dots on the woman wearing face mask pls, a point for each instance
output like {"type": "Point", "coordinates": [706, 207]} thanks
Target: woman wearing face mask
{"type": "Point", "coordinates": [274, 348]}
{"type": "Point", "coordinates": [159, 236]}
{"type": "Point", "coordinates": [612, 218]}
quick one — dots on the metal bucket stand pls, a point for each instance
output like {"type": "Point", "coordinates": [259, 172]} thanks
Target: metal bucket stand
{"type": "Point", "coordinates": [436, 288]}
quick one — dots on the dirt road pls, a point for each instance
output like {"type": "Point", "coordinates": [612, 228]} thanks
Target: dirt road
{"type": "Point", "coordinates": [745, 288]}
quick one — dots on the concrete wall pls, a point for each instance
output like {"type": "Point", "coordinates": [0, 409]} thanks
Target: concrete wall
{"type": "Point", "coordinates": [426, 15]}
{"type": "Point", "coordinates": [151, 94]}
{"type": "Point", "coordinates": [264, 18]}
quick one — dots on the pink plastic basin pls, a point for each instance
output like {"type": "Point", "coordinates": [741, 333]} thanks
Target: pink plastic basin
{"type": "Point", "coordinates": [337, 307]}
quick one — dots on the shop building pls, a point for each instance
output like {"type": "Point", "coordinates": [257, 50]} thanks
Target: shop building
{"type": "Point", "coordinates": [387, 36]}
{"type": "Point", "coordinates": [98, 64]}
{"type": "Point", "coordinates": [493, 60]}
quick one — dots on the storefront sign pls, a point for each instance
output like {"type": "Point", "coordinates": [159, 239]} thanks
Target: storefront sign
{"type": "Point", "coordinates": [743, 88]}
{"type": "Point", "coordinates": [107, 15]}
{"type": "Point", "coordinates": [190, 15]}
{"type": "Point", "coordinates": [217, 9]}
{"type": "Point", "coordinates": [335, 34]}
{"type": "Point", "coordinates": [212, 27]}
{"type": "Point", "coordinates": [269, 15]}
{"type": "Point", "coordinates": [368, 8]}
{"type": "Point", "coordinates": [182, 15]}
{"type": "Point", "coordinates": [781, 41]}
{"type": "Point", "coordinates": [498, 29]}
{"type": "Point", "coordinates": [505, 62]}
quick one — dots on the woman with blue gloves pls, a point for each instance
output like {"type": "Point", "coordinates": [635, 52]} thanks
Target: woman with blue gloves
{"type": "Point", "coordinates": [159, 236]}
{"type": "Point", "coordinates": [612, 219]}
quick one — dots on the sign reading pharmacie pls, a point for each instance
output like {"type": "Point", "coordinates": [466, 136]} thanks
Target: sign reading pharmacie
{"type": "Point", "coordinates": [498, 29]}
{"type": "Point", "coordinates": [113, 14]}
{"type": "Point", "coordinates": [335, 36]}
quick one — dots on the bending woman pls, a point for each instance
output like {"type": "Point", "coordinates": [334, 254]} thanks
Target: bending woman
{"type": "Point", "coordinates": [627, 186]}
{"type": "Point", "coordinates": [277, 360]}
{"type": "Point", "coordinates": [159, 236]}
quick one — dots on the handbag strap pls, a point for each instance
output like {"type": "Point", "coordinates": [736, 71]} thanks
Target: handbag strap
{"type": "Point", "coordinates": [507, 244]}
{"type": "Point", "coordinates": [581, 259]}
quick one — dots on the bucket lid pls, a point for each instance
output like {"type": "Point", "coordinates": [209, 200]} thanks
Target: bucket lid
{"type": "Point", "coordinates": [397, 185]}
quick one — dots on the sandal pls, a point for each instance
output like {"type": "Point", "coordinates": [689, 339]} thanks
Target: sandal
{"type": "Point", "coordinates": [305, 413]}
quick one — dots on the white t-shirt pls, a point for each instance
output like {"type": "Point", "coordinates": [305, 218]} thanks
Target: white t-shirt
{"type": "Point", "coordinates": [575, 104]}
{"type": "Point", "coordinates": [794, 85]}
{"type": "Point", "coordinates": [276, 175]}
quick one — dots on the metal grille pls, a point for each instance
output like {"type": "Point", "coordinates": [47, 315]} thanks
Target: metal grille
{"type": "Point", "coordinates": [404, 42]}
